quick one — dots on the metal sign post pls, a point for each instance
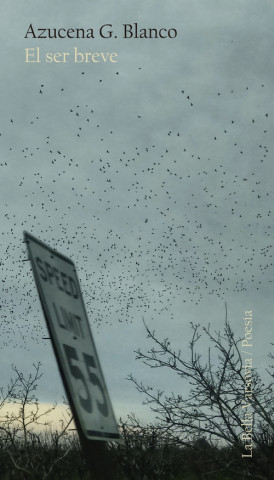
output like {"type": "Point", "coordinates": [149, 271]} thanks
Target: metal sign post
{"type": "Point", "coordinates": [59, 290]}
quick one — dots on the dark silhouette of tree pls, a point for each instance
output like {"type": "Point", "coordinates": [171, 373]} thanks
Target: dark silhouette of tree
{"type": "Point", "coordinates": [225, 401]}
{"type": "Point", "coordinates": [25, 451]}
{"type": "Point", "coordinates": [145, 452]}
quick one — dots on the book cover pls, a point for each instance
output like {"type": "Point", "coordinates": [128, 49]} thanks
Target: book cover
{"type": "Point", "coordinates": [136, 139]}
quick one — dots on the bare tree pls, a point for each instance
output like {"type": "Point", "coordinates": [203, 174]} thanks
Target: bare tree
{"type": "Point", "coordinates": [225, 402]}
{"type": "Point", "coordinates": [29, 412]}
{"type": "Point", "coordinates": [146, 452]}
{"type": "Point", "coordinates": [31, 453]}
{"type": "Point", "coordinates": [7, 395]}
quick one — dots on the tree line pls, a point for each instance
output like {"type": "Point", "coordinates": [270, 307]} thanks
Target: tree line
{"type": "Point", "coordinates": [219, 426]}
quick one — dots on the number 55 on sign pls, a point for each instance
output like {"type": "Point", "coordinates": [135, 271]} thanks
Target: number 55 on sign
{"type": "Point", "coordinates": [61, 298]}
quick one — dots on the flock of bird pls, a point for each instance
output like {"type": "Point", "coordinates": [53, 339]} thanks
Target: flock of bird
{"type": "Point", "coordinates": [155, 215]}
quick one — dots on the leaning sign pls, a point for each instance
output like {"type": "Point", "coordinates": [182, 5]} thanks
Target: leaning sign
{"type": "Point", "coordinates": [59, 290]}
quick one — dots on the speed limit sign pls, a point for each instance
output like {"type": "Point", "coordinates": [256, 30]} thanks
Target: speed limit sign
{"type": "Point", "coordinates": [59, 290]}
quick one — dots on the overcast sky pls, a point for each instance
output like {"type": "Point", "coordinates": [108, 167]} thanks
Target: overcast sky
{"type": "Point", "coordinates": [153, 174]}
